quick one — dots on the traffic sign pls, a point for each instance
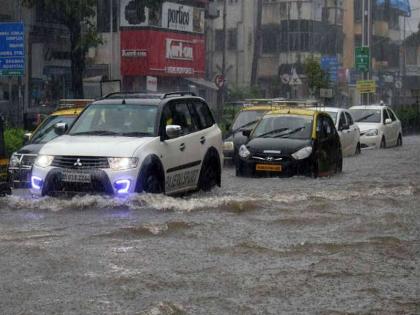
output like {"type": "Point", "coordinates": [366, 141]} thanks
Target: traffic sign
{"type": "Point", "coordinates": [12, 49]}
{"type": "Point", "coordinates": [362, 59]}
{"type": "Point", "coordinates": [330, 65]}
{"type": "Point", "coordinates": [326, 93]}
{"type": "Point", "coordinates": [219, 80]}
{"type": "Point", "coordinates": [366, 86]}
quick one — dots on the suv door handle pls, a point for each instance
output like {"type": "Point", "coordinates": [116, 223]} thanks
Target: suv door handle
{"type": "Point", "coordinates": [182, 147]}
{"type": "Point", "coordinates": [203, 140]}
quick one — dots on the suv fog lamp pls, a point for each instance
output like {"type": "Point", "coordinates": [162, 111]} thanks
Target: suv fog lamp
{"type": "Point", "coordinates": [44, 160]}
{"type": "Point", "coordinates": [36, 182]}
{"type": "Point", "coordinates": [122, 186]}
{"type": "Point", "coordinates": [302, 153]}
{"type": "Point", "coordinates": [244, 152]}
{"type": "Point", "coordinates": [120, 164]}
{"type": "Point", "coordinates": [372, 133]}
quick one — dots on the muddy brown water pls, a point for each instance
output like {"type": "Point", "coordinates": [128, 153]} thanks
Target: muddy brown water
{"type": "Point", "coordinates": [349, 244]}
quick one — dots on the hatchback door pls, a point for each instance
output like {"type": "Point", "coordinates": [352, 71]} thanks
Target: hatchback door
{"type": "Point", "coordinates": [354, 133]}
{"type": "Point", "coordinates": [345, 134]}
{"type": "Point", "coordinates": [394, 127]}
{"type": "Point", "coordinates": [328, 145]}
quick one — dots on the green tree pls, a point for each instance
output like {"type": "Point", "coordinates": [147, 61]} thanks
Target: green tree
{"type": "Point", "coordinates": [78, 17]}
{"type": "Point", "coordinates": [317, 78]}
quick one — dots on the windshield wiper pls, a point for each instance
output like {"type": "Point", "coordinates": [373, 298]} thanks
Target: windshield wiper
{"type": "Point", "coordinates": [136, 134]}
{"type": "Point", "coordinates": [96, 133]}
{"type": "Point", "coordinates": [365, 117]}
{"type": "Point", "coordinates": [244, 126]}
{"type": "Point", "coordinates": [285, 135]}
{"type": "Point", "coordinates": [271, 132]}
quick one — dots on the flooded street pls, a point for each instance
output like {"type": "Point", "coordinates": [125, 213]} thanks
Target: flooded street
{"type": "Point", "coordinates": [349, 244]}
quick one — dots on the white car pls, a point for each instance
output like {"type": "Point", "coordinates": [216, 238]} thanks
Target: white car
{"type": "Point", "coordinates": [379, 126]}
{"type": "Point", "coordinates": [133, 143]}
{"type": "Point", "coordinates": [347, 129]}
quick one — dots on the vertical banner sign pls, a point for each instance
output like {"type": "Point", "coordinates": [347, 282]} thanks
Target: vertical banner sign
{"type": "Point", "coordinates": [12, 49]}
{"type": "Point", "coordinates": [362, 59]}
{"type": "Point", "coordinates": [331, 66]}
{"type": "Point", "coordinates": [151, 83]}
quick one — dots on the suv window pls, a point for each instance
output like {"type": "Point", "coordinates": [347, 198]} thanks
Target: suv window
{"type": "Point", "coordinates": [391, 114]}
{"type": "Point", "coordinates": [342, 122]}
{"type": "Point", "coordinates": [349, 119]}
{"type": "Point", "coordinates": [204, 115]}
{"type": "Point", "coordinates": [325, 128]}
{"type": "Point", "coordinates": [178, 113]}
{"type": "Point", "coordinates": [386, 116]}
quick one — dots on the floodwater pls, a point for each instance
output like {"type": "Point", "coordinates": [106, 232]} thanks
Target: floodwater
{"type": "Point", "coordinates": [349, 244]}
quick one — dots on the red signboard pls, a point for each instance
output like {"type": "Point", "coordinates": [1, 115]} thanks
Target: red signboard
{"type": "Point", "coordinates": [161, 53]}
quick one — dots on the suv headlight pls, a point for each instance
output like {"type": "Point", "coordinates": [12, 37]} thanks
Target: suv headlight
{"type": "Point", "coordinates": [121, 164]}
{"type": "Point", "coordinates": [14, 160]}
{"type": "Point", "coordinates": [302, 153]}
{"type": "Point", "coordinates": [44, 160]}
{"type": "Point", "coordinates": [228, 146]}
{"type": "Point", "coordinates": [372, 133]}
{"type": "Point", "coordinates": [244, 152]}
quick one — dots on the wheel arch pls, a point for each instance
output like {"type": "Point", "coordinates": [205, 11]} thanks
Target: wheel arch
{"type": "Point", "coordinates": [213, 153]}
{"type": "Point", "coordinates": [151, 161]}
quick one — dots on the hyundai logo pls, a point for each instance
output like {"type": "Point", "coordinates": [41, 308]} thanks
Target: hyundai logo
{"type": "Point", "coordinates": [78, 163]}
{"type": "Point", "coordinates": [269, 158]}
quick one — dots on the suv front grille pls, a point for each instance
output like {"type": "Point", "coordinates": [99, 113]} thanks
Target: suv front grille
{"type": "Point", "coordinates": [83, 162]}
{"type": "Point", "coordinates": [28, 160]}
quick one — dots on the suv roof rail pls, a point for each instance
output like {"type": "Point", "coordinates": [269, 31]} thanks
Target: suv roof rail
{"type": "Point", "coordinates": [132, 95]}
{"type": "Point", "coordinates": [180, 93]}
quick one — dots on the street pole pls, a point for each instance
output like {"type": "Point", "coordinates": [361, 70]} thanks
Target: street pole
{"type": "Point", "coordinates": [111, 36]}
{"type": "Point", "coordinates": [221, 91]}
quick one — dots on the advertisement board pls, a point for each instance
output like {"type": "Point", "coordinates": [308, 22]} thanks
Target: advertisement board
{"type": "Point", "coordinates": [161, 53]}
{"type": "Point", "coordinates": [12, 49]}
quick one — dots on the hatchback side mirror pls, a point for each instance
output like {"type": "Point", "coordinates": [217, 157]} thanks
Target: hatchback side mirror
{"type": "Point", "coordinates": [60, 128]}
{"type": "Point", "coordinates": [246, 132]}
{"type": "Point", "coordinates": [173, 131]}
{"type": "Point", "coordinates": [388, 121]}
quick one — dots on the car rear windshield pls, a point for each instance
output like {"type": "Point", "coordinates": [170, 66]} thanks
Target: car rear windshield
{"type": "Point", "coordinates": [46, 131]}
{"type": "Point", "coordinates": [247, 119]}
{"type": "Point", "coordinates": [285, 126]}
{"type": "Point", "coordinates": [366, 115]}
{"type": "Point", "coordinates": [127, 120]}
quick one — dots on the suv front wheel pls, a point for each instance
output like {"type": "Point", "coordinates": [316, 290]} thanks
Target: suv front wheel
{"type": "Point", "coordinates": [210, 174]}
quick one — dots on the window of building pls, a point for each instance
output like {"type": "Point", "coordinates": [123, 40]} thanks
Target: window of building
{"type": "Point", "coordinates": [269, 40]}
{"type": "Point", "coordinates": [103, 16]}
{"type": "Point", "coordinates": [219, 38]}
{"type": "Point", "coordinates": [232, 43]}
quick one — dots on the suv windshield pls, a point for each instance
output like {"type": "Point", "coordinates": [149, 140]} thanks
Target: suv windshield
{"type": "Point", "coordinates": [287, 126]}
{"type": "Point", "coordinates": [121, 120]}
{"type": "Point", "coordinates": [366, 115]}
{"type": "Point", "coordinates": [247, 118]}
{"type": "Point", "coordinates": [46, 131]}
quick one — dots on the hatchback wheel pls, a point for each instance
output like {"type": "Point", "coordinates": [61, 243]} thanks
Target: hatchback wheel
{"type": "Point", "coordinates": [358, 149]}
{"type": "Point", "coordinates": [383, 143]}
{"type": "Point", "coordinates": [399, 141]}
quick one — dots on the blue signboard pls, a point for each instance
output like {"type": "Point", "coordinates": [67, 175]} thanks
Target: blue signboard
{"type": "Point", "coordinates": [330, 65]}
{"type": "Point", "coordinates": [402, 5]}
{"type": "Point", "coordinates": [12, 49]}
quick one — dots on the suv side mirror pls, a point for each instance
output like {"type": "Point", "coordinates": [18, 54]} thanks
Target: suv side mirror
{"type": "Point", "coordinates": [173, 131]}
{"type": "Point", "coordinates": [246, 132]}
{"type": "Point", "coordinates": [60, 128]}
{"type": "Point", "coordinates": [388, 121]}
{"type": "Point", "coordinates": [27, 136]}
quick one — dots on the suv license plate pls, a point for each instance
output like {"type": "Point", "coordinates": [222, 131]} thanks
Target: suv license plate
{"type": "Point", "coordinates": [268, 168]}
{"type": "Point", "coordinates": [76, 177]}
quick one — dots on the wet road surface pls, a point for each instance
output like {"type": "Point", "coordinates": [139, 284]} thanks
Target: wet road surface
{"type": "Point", "coordinates": [349, 244]}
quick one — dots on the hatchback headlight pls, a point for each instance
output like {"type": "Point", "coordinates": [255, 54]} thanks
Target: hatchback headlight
{"type": "Point", "coordinates": [302, 153]}
{"type": "Point", "coordinates": [14, 160]}
{"type": "Point", "coordinates": [244, 152]}
{"type": "Point", "coordinates": [120, 164]}
{"type": "Point", "coordinates": [44, 160]}
{"type": "Point", "coordinates": [372, 133]}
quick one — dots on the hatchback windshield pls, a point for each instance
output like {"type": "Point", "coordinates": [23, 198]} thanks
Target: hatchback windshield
{"type": "Point", "coordinates": [119, 120]}
{"type": "Point", "coordinates": [46, 132]}
{"type": "Point", "coordinates": [287, 126]}
{"type": "Point", "coordinates": [366, 115]}
{"type": "Point", "coordinates": [247, 119]}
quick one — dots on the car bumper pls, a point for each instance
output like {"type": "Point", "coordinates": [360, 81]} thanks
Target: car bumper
{"type": "Point", "coordinates": [289, 167]}
{"type": "Point", "coordinates": [20, 177]}
{"type": "Point", "coordinates": [370, 142]}
{"type": "Point", "coordinates": [50, 181]}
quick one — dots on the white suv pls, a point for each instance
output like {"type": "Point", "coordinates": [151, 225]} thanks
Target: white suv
{"type": "Point", "coordinates": [379, 126]}
{"type": "Point", "coordinates": [131, 143]}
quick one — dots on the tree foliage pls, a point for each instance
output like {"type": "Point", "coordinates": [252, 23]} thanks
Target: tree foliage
{"type": "Point", "coordinates": [317, 78]}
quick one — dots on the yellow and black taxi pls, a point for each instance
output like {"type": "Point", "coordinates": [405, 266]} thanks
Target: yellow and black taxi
{"type": "Point", "coordinates": [21, 162]}
{"type": "Point", "coordinates": [246, 119]}
{"type": "Point", "coordinates": [289, 142]}
{"type": "Point", "coordinates": [4, 161]}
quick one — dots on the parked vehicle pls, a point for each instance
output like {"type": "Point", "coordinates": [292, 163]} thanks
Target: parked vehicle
{"type": "Point", "coordinates": [379, 126]}
{"type": "Point", "coordinates": [347, 129]}
{"type": "Point", "coordinates": [4, 161]}
{"type": "Point", "coordinates": [127, 143]}
{"type": "Point", "coordinates": [21, 162]}
{"type": "Point", "coordinates": [287, 142]}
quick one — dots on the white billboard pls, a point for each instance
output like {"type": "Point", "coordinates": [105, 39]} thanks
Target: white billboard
{"type": "Point", "coordinates": [177, 17]}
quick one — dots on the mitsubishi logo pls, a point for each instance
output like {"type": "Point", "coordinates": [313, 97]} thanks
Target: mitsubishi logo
{"type": "Point", "coordinates": [78, 163]}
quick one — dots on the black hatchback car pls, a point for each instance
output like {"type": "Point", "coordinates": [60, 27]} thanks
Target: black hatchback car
{"type": "Point", "coordinates": [291, 142]}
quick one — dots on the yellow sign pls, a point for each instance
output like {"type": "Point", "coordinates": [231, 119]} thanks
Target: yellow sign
{"type": "Point", "coordinates": [366, 86]}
